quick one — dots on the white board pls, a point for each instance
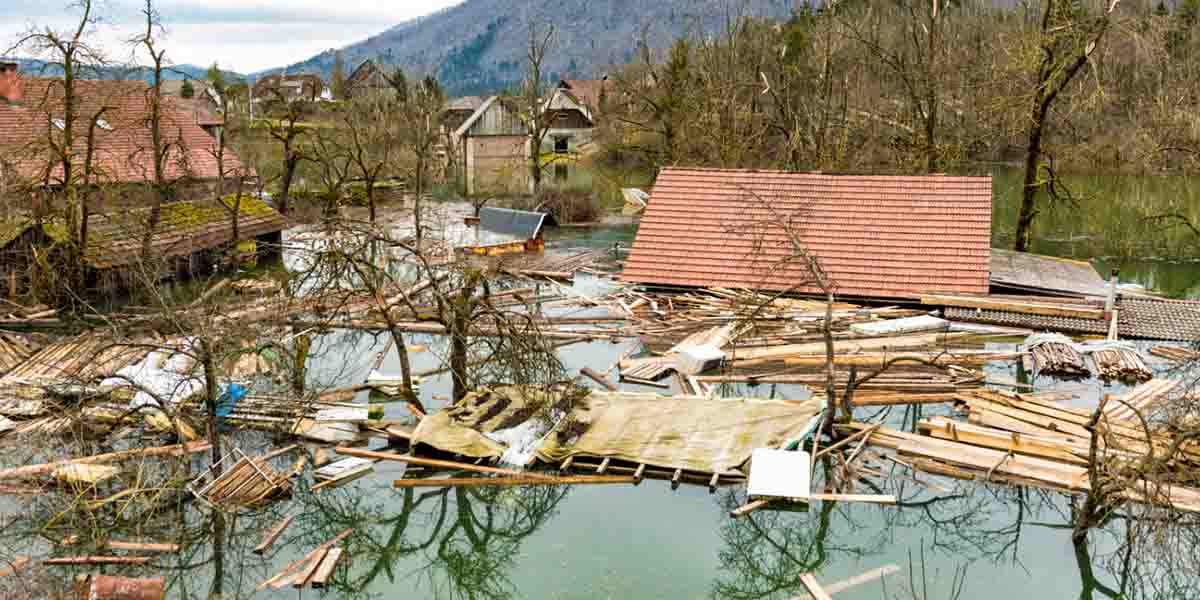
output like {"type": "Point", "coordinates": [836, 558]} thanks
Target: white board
{"type": "Point", "coordinates": [779, 474]}
{"type": "Point", "coordinates": [343, 468]}
{"type": "Point", "coordinates": [898, 326]}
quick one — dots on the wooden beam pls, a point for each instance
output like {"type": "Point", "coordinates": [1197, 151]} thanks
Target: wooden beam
{"type": "Point", "coordinates": [98, 560]}
{"type": "Point", "coordinates": [273, 535]}
{"type": "Point", "coordinates": [301, 578]}
{"type": "Point", "coordinates": [321, 576]}
{"type": "Point", "coordinates": [598, 378]}
{"type": "Point", "coordinates": [814, 588]}
{"type": "Point", "coordinates": [511, 481]}
{"type": "Point", "coordinates": [281, 578]}
{"type": "Point", "coordinates": [431, 462]}
{"type": "Point", "coordinates": [1030, 308]}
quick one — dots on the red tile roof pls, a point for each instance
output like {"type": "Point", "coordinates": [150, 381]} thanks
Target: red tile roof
{"type": "Point", "coordinates": [123, 152]}
{"type": "Point", "coordinates": [875, 236]}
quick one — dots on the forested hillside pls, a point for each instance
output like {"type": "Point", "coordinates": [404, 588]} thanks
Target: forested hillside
{"type": "Point", "coordinates": [478, 46]}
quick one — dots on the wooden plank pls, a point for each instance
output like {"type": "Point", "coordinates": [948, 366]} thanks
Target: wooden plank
{"type": "Point", "coordinates": [325, 570]}
{"type": "Point", "coordinates": [512, 481]}
{"type": "Point", "coordinates": [301, 578]}
{"type": "Point", "coordinates": [431, 462]}
{"type": "Point", "coordinates": [47, 468]}
{"type": "Point", "coordinates": [273, 535]}
{"type": "Point", "coordinates": [598, 378]}
{"type": "Point", "coordinates": [288, 570]}
{"type": "Point", "coordinates": [814, 588]}
{"type": "Point", "coordinates": [98, 560]}
{"type": "Point", "coordinates": [1030, 308]}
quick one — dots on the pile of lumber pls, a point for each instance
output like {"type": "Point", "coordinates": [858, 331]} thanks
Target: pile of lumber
{"type": "Point", "coordinates": [1175, 353]}
{"type": "Point", "coordinates": [313, 569]}
{"type": "Point", "coordinates": [1021, 440]}
{"type": "Point", "coordinates": [1053, 358]}
{"type": "Point", "coordinates": [1142, 400]}
{"type": "Point", "coordinates": [247, 483]}
{"type": "Point", "coordinates": [1120, 364]}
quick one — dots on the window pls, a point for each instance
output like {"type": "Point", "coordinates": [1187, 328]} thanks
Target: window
{"type": "Point", "coordinates": [60, 124]}
{"type": "Point", "coordinates": [105, 125]}
{"type": "Point", "coordinates": [562, 144]}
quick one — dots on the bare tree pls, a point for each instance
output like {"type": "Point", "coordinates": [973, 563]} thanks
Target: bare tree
{"type": "Point", "coordinates": [533, 97]}
{"type": "Point", "coordinates": [1068, 37]}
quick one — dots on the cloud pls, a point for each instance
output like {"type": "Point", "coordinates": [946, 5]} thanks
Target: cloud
{"type": "Point", "coordinates": [241, 35]}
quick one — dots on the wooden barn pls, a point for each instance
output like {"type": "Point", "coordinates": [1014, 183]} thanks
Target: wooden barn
{"type": "Point", "coordinates": [191, 238]}
{"type": "Point", "coordinates": [496, 150]}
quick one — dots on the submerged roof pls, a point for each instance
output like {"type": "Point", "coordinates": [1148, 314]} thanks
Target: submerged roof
{"type": "Point", "coordinates": [184, 228]}
{"type": "Point", "coordinates": [1045, 274]}
{"type": "Point", "coordinates": [520, 224]}
{"type": "Point", "coordinates": [874, 236]}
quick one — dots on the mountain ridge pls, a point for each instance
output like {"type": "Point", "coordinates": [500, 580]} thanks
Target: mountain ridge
{"type": "Point", "coordinates": [477, 46]}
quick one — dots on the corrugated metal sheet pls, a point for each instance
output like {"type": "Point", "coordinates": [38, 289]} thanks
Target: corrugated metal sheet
{"type": "Point", "coordinates": [875, 236]}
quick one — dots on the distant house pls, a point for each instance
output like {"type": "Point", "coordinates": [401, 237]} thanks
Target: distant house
{"type": "Point", "coordinates": [457, 112]}
{"type": "Point", "coordinates": [206, 105]}
{"type": "Point", "coordinates": [114, 115]}
{"type": "Point", "coordinates": [590, 92]}
{"type": "Point", "coordinates": [495, 150]}
{"type": "Point", "coordinates": [366, 79]}
{"type": "Point", "coordinates": [570, 123]}
{"type": "Point", "coordinates": [288, 88]}
{"type": "Point", "coordinates": [881, 237]}
{"type": "Point", "coordinates": [187, 238]}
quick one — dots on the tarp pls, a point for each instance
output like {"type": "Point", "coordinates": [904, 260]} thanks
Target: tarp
{"type": "Point", "coordinates": [506, 422]}
{"type": "Point", "coordinates": [694, 433]}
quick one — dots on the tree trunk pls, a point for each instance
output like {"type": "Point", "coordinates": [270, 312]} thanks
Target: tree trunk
{"type": "Point", "coordinates": [212, 393]}
{"type": "Point", "coordinates": [830, 374]}
{"type": "Point", "coordinates": [1030, 188]}
{"type": "Point", "coordinates": [371, 201]}
{"type": "Point", "coordinates": [419, 188]}
{"type": "Point", "coordinates": [460, 316]}
{"type": "Point", "coordinates": [285, 183]}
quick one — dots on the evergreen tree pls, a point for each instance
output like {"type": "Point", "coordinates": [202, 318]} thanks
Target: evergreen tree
{"type": "Point", "coordinates": [216, 78]}
{"type": "Point", "coordinates": [188, 90]}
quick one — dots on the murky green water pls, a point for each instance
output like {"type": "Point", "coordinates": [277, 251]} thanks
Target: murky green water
{"type": "Point", "coordinates": [990, 542]}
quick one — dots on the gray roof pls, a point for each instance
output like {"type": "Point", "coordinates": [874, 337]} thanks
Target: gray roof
{"type": "Point", "coordinates": [520, 224]}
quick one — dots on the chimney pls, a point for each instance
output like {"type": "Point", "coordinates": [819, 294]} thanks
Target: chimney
{"type": "Point", "coordinates": [10, 82]}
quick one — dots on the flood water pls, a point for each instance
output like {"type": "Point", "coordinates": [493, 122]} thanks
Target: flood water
{"type": "Point", "coordinates": [948, 539]}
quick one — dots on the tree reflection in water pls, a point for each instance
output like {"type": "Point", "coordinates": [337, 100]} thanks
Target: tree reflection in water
{"type": "Point", "coordinates": [460, 542]}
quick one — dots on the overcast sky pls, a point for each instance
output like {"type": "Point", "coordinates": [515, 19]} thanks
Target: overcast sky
{"type": "Point", "coordinates": [241, 35]}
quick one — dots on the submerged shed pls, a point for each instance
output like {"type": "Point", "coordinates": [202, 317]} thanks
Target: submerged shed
{"type": "Point", "coordinates": [885, 237]}
{"type": "Point", "coordinates": [187, 239]}
{"type": "Point", "coordinates": [507, 231]}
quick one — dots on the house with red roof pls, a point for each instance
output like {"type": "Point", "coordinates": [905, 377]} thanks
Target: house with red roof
{"type": "Point", "coordinates": [873, 236]}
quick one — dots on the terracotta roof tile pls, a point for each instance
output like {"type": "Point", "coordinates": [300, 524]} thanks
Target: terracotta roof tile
{"type": "Point", "coordinates": [123, 150]}
{"type": "Point", "coordinates": [876, 236]}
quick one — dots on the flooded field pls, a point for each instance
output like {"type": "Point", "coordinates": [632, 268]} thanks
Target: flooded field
{"type": "Point", "coordinates": [945, 539]}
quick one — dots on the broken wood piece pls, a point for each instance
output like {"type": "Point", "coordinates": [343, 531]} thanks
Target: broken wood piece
{"type": "Point", "coordinates": [15, 566]}
{"type": "Point", "coordinates": [675, 478]}
{"type": "Point", "coordinates": [645, 382]}
{"type": "Point", "coordinates": [857, 580]}
{"type": "Point", "coordinates": [603, 466]}
{"type": "Point", "coordinates": [814, 588]}
{"type": "Point", "coordinates": [598, 378]}
{"type": "Point", "coordinates": [288, 570]}
{"type": "Point", "coordinates": [47, 468]}
{"type": "Point", "coordinates": [639, 473]}
{"type": "Point", "coordinates": [273, 535]}
{"type": "Point", "coordinates": [511, 481]}
{"type": "Point", "coordinates": [712, 483]}
{"type": "Point", "coordinates": [301, 578]}
{"type": "Point", "coordinates": [325, 570]}
{"type": "Point", "coordinates": [431, 462]}
{"type": "Point", "coordinates": [566, 463]}
{"type": "Point", "coordinates": [98, 560]}
{"type": "Point", "coordinates": [872, 498]}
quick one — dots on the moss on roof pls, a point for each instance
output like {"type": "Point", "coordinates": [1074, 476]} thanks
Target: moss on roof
{"type": "Point", "coordinates": [12, 228]}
